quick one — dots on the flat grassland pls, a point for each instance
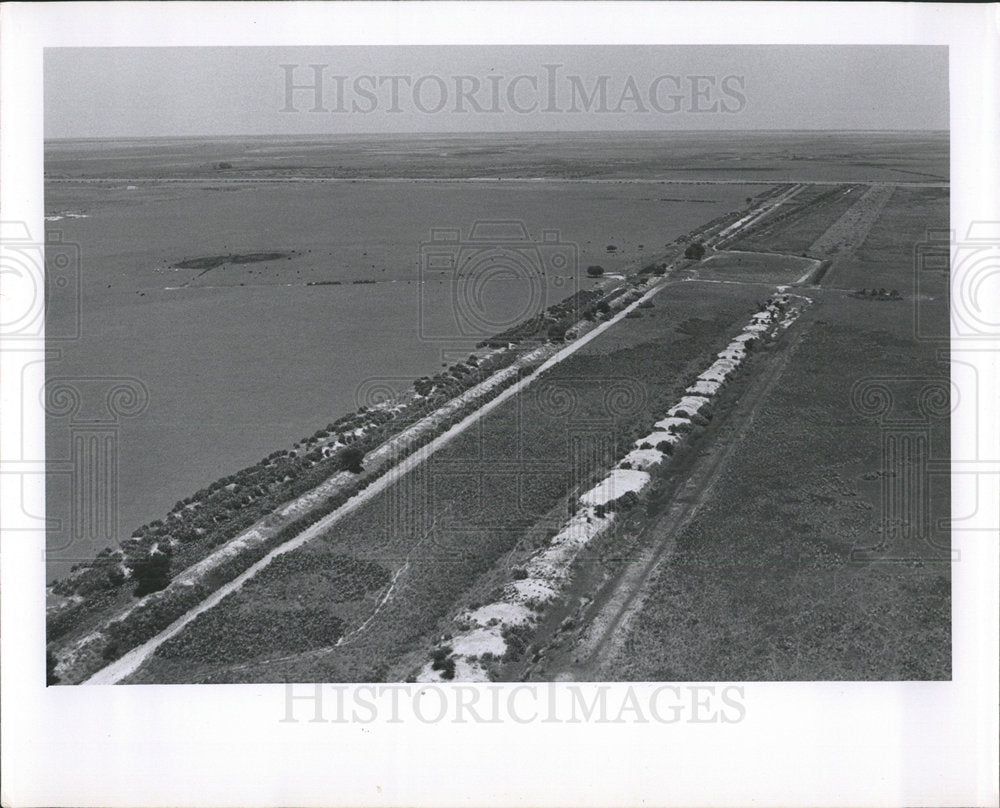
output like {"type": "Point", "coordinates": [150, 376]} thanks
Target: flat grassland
{"type": "Point", "coordinates": [743, 156]}
{"type": "Point", "coordinates": [451, 532]}
{"type": "Point", "coordinates": [751, 267]}
{"type": "Point", "coordinates": [794, 228]}
{"type": "Point", "coordinates": [802, 567]}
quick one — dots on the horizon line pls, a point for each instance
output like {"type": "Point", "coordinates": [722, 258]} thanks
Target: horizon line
{"type": "Point", "coordinates": [493, 133]}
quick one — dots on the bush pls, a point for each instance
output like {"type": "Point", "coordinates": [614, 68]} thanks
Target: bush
{"type": "Point", "coordinates": [665, 446]}
{"type": "Point", "coordinates": [595, 271]}
{"type": "Point", "coordinates": [695, 251]}
{"type": "Point", "coordinates": [151, 573]}
{"type": "Point", "coordinates": [626, 501]}
{"type": "Point", "coordinates": [439, 655]}
{"type": "Point", "coordinates": [351, 457]}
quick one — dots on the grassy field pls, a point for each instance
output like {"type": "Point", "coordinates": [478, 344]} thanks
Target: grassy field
{"type": "Point", "coordinates": [795, 227]}
{"type": "Point", "coordinates": [791, 571]}
{"type": "Point", "coordinates": [748, 267]}
{"type": "Point", "coordinates": [764, 156]}
{"type": "Point", "coordinates": [450, 532]}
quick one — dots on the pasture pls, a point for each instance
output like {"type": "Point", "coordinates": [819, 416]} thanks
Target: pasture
{"type": "Point", "coordinates": [812, 561]}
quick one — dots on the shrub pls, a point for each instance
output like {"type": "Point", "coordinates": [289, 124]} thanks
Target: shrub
{"type": "Point", "coordinates": [665, 446]}
{"type": "Point", "coordinates": [695, 251]}
{"type": "Point", "coordinates": [351, 457]}
{"type": "Point", "coordinates": [151, 573]}
{"type": "Point", "coordinates": [439, 655]}
{"type": "Point", "coordinates": [627, 500]}
{"type": "Point", "coordinates": [595, 271]}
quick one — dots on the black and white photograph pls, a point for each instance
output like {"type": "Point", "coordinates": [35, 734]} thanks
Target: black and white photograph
{"type": "Point", "coordinates": [570, 393]}
{"type": "Point", "coordinates": [555, 380]}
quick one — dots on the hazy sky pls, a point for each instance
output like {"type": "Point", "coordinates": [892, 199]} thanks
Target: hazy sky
{"type": "Point", "coordinates": [157, 92]}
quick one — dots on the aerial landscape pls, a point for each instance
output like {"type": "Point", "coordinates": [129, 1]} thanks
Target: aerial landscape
{"type": "Point", "coordinates": [553, 407]}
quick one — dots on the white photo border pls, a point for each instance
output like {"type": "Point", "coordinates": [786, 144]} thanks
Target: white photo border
{"type": "Point", "coordinates": [873, 744]}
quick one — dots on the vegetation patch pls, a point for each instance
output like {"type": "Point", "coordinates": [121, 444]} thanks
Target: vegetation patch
{"type": "Point", "coordinates": [213, 261]}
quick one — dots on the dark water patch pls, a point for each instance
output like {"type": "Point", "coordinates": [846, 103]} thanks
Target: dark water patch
{"type": "Point", "coordinates": [213, 261]}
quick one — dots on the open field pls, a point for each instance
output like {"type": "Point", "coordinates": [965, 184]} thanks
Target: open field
{"type": "Point", "coordinates": [452, 531]}
{"type": "Point", "coordinates": [819, 557]}
{"type": "Point", "coordinates": [748, 156]}
{"type": "Point", "coordinates": [767, 269]}
{"type": "Point", "coordinates": [794, 229]}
